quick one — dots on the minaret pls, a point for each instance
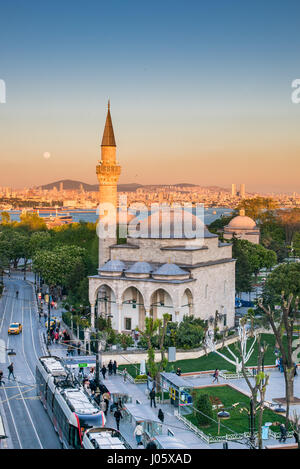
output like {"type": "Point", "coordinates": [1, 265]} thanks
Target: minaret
{"type": "Point", "coordinates": [108, 171]}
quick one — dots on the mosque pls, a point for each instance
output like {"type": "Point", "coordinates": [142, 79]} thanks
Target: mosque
{"type": "Point", "coordinates": [158, 273]}
{"type": "Point", "coordinates": [242, 227]}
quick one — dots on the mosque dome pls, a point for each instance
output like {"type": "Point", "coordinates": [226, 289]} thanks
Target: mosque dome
{"type": "Point", "coordinates": [241, 222]}
{"type": "Point", "coordinates": [174, 223]}
{"type": "Point", "coordinates": [139, 269]}
{"type": "Point", "coordinates": [112, 268]}
{"type": "Point", "coordinates": [170, 271]}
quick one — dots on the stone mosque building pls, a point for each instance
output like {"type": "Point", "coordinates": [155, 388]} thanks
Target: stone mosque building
{"type": "Point", "coordinates": [242, 227]}
{"type": "Point", "coordinates": [154, 274]}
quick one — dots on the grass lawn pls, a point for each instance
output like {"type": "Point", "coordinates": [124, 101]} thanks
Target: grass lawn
{"type": "Point", "coordinates": [213, 360]}
{"type": "Point", "coordinates": [238, 422]}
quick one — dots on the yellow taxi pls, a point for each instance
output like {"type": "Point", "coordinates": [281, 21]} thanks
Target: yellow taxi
{"type": "Point", "coordinates": [15, 328]}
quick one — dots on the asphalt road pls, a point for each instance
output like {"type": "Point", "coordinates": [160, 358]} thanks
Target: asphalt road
{"type": "Point", "coordinates": [27, 424]}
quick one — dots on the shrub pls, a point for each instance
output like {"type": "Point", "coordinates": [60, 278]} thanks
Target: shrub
{"type": "Point", "coordinates": [141, 377]}
{"type": "Point", "coordinates": [204, 406]}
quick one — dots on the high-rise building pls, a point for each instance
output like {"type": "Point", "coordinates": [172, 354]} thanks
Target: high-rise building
{"type": "Point", "coordinates": [242, 191]}
{"type": "Point", "coordinates": [233, 190]}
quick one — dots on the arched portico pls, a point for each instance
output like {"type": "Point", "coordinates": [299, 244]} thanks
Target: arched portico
{"type": "Point", "coordinates": [133, 309]}
{"type": "Point", "coordinates": [161, 303]}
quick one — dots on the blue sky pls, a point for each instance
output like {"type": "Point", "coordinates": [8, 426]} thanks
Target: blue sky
{"type": "Point", "coordinates": [200, 91]}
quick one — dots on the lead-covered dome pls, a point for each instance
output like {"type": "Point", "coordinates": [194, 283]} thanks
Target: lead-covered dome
{"type": "Point", "coordinates": [112, 268]}
{"type": "Point", "coordinates": [174, 223]}
{"type": "Point", "coordinates": [170, 271]}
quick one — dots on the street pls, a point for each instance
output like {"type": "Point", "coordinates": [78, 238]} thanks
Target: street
{"type": "Point", "coordinates": [26, 422]}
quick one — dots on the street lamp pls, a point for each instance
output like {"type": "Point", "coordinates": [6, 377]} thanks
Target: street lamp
{"type": "Point", "coordinates": [48, 300]}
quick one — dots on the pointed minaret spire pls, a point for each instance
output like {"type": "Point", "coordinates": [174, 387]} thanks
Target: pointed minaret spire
{"type": "Point", "coordinates": [108, 139]}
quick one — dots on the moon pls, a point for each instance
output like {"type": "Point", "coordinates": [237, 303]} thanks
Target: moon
{"type": "Point", "coordinates": [46, 155]}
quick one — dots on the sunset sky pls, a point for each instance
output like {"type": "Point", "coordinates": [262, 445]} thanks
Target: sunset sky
{"type": "Point", "coordinates": [200, 91]}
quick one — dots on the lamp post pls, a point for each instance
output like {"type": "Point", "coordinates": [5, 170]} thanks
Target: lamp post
{"type": "Point", "coordinates": [252, 424]}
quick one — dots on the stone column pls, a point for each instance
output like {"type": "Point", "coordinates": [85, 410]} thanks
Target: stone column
{"type": "Point", "coordinates": [92, 316]}
{"type": "Point", "coordinates": [120, 315]}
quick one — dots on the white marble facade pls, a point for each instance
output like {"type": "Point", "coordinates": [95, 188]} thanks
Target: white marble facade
{"type": "Point", "coordinates": [153, 276]}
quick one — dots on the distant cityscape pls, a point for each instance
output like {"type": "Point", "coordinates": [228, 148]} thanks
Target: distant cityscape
{"type": "Point", "coordinates": [69, 194]}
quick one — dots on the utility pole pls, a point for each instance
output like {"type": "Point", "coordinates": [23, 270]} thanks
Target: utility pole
{"type": "Point", "coordinates": [48, 300]}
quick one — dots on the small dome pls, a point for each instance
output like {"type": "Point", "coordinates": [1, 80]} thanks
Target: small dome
{"type": "Point", "coordinates": [113, 266]}
{"type": "Point", "coordinates": [242, 223]}
{"type": "Point", "coordinates": [139, 268]}
{"type": "Point", "coordinates": [170, 270]}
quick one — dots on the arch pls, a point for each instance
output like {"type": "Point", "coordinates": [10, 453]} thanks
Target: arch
{"type": "Point", "coordinates": [186, 307]}
{"type": "Point", "coordinates": [133, 308]}
{"type": "Point", "coordinates": [161, 302]}
{"type": "Point", "coordinates": [105, 301]}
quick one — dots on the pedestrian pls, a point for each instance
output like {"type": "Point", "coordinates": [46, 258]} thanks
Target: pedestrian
{"type": "Point", "coordinates": [282, 432]}
{"type": "Point", "coordinates": [277, 363]}
{"type": "Point", "coordinates": [11, 370]}
{"type": "Point", "coordinates": [216, 375]}
{"type": "Point", "coordinates": [161, 416]}
{"type": "Point", "coordinates": [103, 371]}
{"type": "Point", "coordinates": [152, 397]}
{"type": "Point", "coordinates": [110, 368]}
{"type": "Point", "coordinates": [138, 433]}
{"type": "Point", "coordinates": [280, 365]}
{"type": "Point", "coordinates": [296, 436]}
{"type": "Point", "coordinates": [178, 371]}
{"type": "Point", "coordinates": [151, 444]}
{"type": "Point", "coordinates": [56, 337]}
{"type": "Point", "coordinates": [78, 347]}
{"type": "Point", "coordinates": [295, 369]}
{"type": "Point", "coordinates": [103, 406]}
{"type": "Point", "coordinates": [1, 377]}
{"type": "Point", "coordinates": [118, 417]}
{"type": "Point", "coordinates": [115, 366]}
{"type": "Point", "coordinates": [125, 372]}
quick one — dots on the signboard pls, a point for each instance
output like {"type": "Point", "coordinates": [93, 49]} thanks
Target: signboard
{"type": "Point", "coordinates": [82, 365]}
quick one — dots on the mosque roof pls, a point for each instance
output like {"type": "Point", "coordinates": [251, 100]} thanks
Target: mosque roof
{"type": "Point", "coordinates": [140, 267]}
{"type": "Point", "coordinates": [113, 266]}
{"type": "Point", "coordinates": [108, 139]}
{"type": "Point", "coordinates": [170, 269]}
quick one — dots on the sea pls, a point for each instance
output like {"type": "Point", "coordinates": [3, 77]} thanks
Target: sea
{"type": "Point", "coordinates": [210, 214]}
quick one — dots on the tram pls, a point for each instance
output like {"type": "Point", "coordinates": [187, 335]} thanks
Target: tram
{"type": "Point", "coordinates": [68, 405]}
{"type": "Point", "coordinates": [104, 438]}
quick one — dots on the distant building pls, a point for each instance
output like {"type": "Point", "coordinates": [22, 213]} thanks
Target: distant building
{"type": "Point", "coordinates": [242, 191]}
{"type": "Point", "coordinates": [233, 190]}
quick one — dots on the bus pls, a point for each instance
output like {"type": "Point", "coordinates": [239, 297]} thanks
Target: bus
{"type": "Point", "coordinates": [70, 408]}
{"type": "Point", "coordinates": [104, 438]}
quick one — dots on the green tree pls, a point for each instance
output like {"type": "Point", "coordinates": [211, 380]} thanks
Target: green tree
{"type": "Point", "coordinates": [203, 412]}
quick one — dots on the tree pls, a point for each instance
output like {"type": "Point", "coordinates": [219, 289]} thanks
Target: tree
{"type": "Point", "coordinates": [285, 277]}
{"type": "Point", "coordinates": [31, 222]}
{"type": "Point", "coordinates": [259, 387]}
{"type": "Point", "coordinates": [155, 327]}
{"type": "Point", "coordinates": [282, 323]}
{"type": "Point", "coordinates": [289, 219]}
{"type": "Point", "coordinates": [258, 208]}
{"type": "Point", "coordinates": [203, 410]}
{"type": "Point", "coordinates": [5, 218]}
{"type": "Point", "coordinates": [236, 360]}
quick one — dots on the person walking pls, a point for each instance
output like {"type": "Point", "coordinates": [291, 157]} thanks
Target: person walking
{"type": "Point", "coordinates": [56, 337]}
{"type": "Point", "coordinates": [110, 368]}
{"type": "Point", "coordinates": [103, 371]}
{"type": "Point", "coordinates": [11, 370]}
{"type": "Point", "coordinates": [138, 433]}
{"type": "Point", "coordinates": [115, 366]}
{"type": "Point", "coordinates": [152, 397]}
{"type": "Point", "coordinates": [78, 348]}
{"type": "Point", "coordinates": [1, 377]}
{"type": "Point", "coordinates": [125, 372]}
{"type": "Point", "coordinates": [118, 417]}
{"type": "Point", "coordinates": [161, 416]}
{"type": "Point", "coordinates": [17, 294]}
{"type": "Point", "coordinates": [178, 371]}
{"type": "Point", "coordinates": [151, 444]}
{"type": "Point", "coordinates": [295, 369]}
{"type": "Point", "coordinates": [282, 433]}
{"type": "Point", "coordinates": [216, 375]}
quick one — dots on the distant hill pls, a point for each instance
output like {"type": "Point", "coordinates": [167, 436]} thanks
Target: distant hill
{"type": "Point", "coordinates": [68, 184]}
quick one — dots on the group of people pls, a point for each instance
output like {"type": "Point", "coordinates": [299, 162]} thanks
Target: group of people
{"type": "Point", "coordinates": [111, 367]}
{"type": "Point", "coordinates": [279, 365]}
